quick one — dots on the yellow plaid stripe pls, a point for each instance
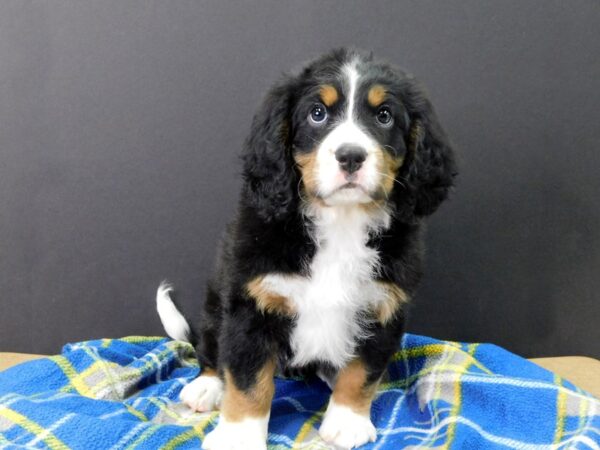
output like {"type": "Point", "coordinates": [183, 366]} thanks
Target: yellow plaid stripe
{"type": "Point", "coordinates": [561, 410]}
{"type": "Point", "coordinates": [583, 410]}
{"type": "Point", "coordinates": [201, 427]}
{"type": "Point", "coordinates": [442, 366]}
{"type": "Point", "coordinates": [29, 425]}
{"type": "Point", "coordinates": [139, 339]}
{"type": "Point", "coordinates": [74, 380]}
{"type": "Point", "coordinates": [77, 380]}
{"type": "Point", "coordinates": [180, 439]}
{"type": "Point", "coordinates": [431, 350]}
{"type": "Point", "coordinates": [457, 403]}
{"type": "Point", "coordinates": [308, 426]}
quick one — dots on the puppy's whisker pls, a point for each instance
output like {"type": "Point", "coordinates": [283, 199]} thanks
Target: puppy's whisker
{"type": "Point", "coordinates": [299, 189]}
{"type": "Point", "coordinates": [313, 139]}
{"type": "Point", "coordinates": [385, 175]}
{"type": "Point", "coordinates": [395, 180]}
{"type": "Point", "coordinates": [387, 196]}
{"type": "Point", "coordinates": [381, 208]}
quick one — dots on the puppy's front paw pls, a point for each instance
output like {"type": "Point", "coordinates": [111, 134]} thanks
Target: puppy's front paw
{"type": "Point", "coordinates": [248, 434]}
{"type": "Point", "coordinates": [203, 394]}
{"type": "Point", "coordinates": [344, 428]}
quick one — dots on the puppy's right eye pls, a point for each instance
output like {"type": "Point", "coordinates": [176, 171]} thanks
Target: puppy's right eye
{"type": "Point", "coordinates": [318, 114]}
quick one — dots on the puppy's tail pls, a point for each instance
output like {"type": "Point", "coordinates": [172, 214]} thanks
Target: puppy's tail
{"type": "Point", "coordinates": [172, 320]}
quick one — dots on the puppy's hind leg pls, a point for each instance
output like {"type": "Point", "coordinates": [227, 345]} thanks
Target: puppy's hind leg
{"type": "Point", "coordinates": [204, 393]}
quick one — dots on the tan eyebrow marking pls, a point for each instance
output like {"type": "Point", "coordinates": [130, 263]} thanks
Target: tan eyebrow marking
{"type": "Point", "coordinates": [376, 95]}
{"type": "Point", "coordinates": [329, 94]}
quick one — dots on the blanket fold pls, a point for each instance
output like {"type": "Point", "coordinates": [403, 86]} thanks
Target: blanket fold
{"type": "Point", "coordinates": [122, 394]}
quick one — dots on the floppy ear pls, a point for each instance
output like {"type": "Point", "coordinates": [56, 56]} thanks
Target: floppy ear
{"type": "Point", "coordinates": [431, 167]}
{"type": "Point", "coordinates": [269, 175]}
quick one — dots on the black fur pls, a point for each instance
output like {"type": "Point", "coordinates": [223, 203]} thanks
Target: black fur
{"type": "Point", "coordinates": [270, 233]}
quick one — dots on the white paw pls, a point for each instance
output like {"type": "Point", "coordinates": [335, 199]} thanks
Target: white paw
{"type": "Point", "coordinates": [203, 394]}
{"type": "Point", "coordinates": [249, 434]}
{"type": "Point", "coordinates": [344, 428]}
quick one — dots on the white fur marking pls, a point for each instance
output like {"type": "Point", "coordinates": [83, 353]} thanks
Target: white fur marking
{"type": "Point", "coordinates": [173, 322]}
{"type": "Point", "coordinates": [248, 434]}
{"type": "Point", "coordinates": [344, 428]}
{"type": "Point", "coordinates": [340, 285]}
{"type": "Point", "coordinates": [352, 75]}
{"type": "Point", "coordinates": [203, 394]}
{"type": "Point", "coordinates": [347, 132]}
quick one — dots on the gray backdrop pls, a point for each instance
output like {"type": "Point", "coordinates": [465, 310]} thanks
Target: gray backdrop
{"type": "Point", "coordinates": [121, 122]}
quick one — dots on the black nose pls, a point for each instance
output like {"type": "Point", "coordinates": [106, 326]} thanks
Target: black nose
{"type": "Point", "coordinates": [350, 157]}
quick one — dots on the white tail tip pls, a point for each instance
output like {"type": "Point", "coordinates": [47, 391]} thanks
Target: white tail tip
{"type": "Point", "coordinates": [173, 321]}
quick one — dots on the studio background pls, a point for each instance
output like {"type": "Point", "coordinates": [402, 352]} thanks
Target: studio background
{"type": "Point", "coordinates": [121, 123]}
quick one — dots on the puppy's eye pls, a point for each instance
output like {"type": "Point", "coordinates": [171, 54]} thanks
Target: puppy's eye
{"type": "Point", "coordinates": [318, 114]}
{"type": "Point", "coordinates": [384, 117]}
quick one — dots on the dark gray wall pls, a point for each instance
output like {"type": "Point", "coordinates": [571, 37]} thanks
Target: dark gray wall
{"type": "Point", "coordinates": [121, 122]}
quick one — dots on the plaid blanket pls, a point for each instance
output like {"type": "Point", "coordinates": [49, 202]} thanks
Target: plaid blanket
{"type": "Point", "coordinates": [122, 393]}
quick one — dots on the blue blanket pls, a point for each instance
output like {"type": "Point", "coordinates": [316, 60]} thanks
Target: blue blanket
{"type": "Point", "coordinates": [122, 393]}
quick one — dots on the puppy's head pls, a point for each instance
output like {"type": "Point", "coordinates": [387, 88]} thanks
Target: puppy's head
{"type": "Point", "coordinates": [347, 130]}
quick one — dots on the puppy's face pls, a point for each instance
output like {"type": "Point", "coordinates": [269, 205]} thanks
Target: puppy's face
{"type": "Point", "coordinates": [349, 131]}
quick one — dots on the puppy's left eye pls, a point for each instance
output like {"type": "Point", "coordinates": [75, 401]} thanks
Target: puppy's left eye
{"type": "Point", "coordinates": [384, 117]}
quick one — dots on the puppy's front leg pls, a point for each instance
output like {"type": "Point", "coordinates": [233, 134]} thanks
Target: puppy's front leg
{"type": "Point", "coordinates": [245, 409]}
{"type": "Point", "coordinates": [347, 421]}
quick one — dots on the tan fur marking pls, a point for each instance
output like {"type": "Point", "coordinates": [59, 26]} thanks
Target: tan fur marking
{"type": "Point", "coordinates": [329, 95]}
{"type": "Point", "coordinates": [351, 388]}
{"type": "Point", "coordinates": [208, 372]}
{"type": "Point", "coordinates": [376, 95]}
{"type": "Point", "coordinates": [307, 163]}
{"type": "Point", "coordinates": [372, 207]}
{"type": "Point", "coordinates": [394, 298]}
{"type": "Point", "coordinates": [266, 300]}
{"type": "Point", "coordinates": [388, 166]}
{"type": "Point", "coordinates": [255, 402]}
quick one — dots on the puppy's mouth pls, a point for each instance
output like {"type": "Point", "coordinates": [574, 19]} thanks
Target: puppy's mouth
{"type": "Point", "coordinates": [347, 194]}
{"type": "Point", "coordinates": [350, 185]}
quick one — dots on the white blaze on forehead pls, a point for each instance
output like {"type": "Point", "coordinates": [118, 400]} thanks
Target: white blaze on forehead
{"type": "Point", "coordinates": [347, 132]}
{"type": "Point", "coordinates": [351, 74]}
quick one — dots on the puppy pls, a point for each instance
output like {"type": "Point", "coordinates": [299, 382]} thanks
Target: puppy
{"type": "Point", "coordinates": [344, 161]}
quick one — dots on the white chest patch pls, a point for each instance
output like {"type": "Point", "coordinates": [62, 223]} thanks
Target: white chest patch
{"type": "Point", "coordinates": [339, 287]}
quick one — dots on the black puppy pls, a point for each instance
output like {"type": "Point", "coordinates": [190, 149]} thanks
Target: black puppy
{"type": "Point", "coordinates": [343, 162]}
